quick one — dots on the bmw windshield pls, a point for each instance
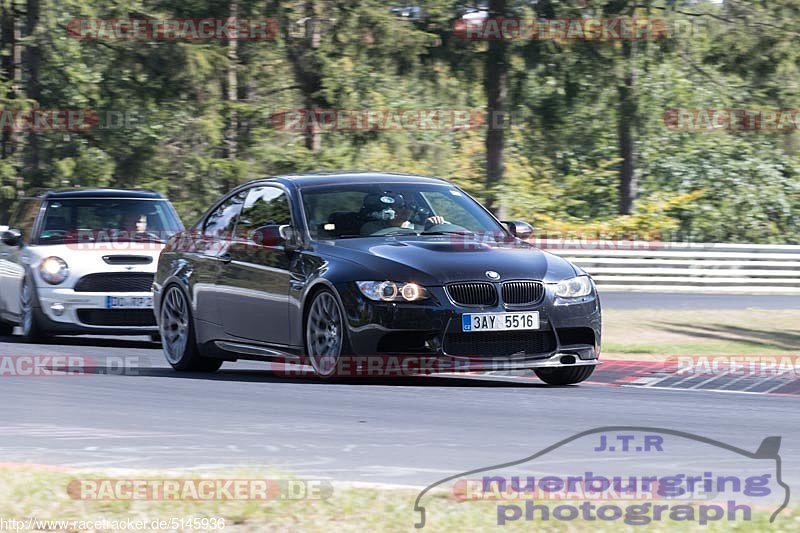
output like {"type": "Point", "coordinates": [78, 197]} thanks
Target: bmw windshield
{"type": "Point", "coordinates": [393, 209]}
{"type": "Point", "coordinates": [107, 219]}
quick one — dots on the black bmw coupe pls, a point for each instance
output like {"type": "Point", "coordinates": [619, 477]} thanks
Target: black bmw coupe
{"type": "Point", "coordinates": [362, 273]}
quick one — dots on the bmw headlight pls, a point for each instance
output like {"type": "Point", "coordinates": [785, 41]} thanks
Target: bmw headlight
{"type": "Point", "coordinates": [54, 270]}
{"type": "Point", "coordinates": [391, 291]}
{"type": "Point", "coordinates": [574, 287]}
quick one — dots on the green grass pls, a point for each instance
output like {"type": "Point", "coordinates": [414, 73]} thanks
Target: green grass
{"type": "Point", "coordinates": [42, 494]}
{"type": "Point", "coordinates": [678, 332]}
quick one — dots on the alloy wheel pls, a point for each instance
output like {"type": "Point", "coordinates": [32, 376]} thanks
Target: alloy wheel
{"type": "Point", "coordinates": [26, 304]}
{"type": "Point", "coordinates": [324, 333]}
{"type": "Point", "coordinates": [174, 325]}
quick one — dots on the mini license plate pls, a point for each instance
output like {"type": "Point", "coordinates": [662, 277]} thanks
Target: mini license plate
{"type": "Point", "coordinates": [499, 321]}
{"type": "Point", "coordinates": [129, 302]}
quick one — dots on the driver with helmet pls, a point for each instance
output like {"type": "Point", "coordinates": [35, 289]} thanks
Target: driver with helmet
{"type": "Point", "coordinates": [390, 210]}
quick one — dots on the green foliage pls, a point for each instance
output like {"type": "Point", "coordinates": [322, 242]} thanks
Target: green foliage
{"type": "Point", "coordinates": [562, 159]}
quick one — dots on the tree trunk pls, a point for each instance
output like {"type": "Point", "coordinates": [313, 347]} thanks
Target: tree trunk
{"type": "Point", "coordinates": [32, 59]}
{"type": "Point", "coordinates": [301, 53]}
{"type": "Point", "coordinates": [314, 82]}
{"type": "Point", "coordinates": [496, 85]}
{"type": "Point", "coordinates": [626, 128]}
{"type": "Point", "coordinates": [231, 97]}
{"type": "Point", "coordinates": [11, 66]}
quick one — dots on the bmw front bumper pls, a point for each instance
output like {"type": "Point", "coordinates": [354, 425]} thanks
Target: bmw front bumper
{"type": "Point", "coordinates": [569, 332]}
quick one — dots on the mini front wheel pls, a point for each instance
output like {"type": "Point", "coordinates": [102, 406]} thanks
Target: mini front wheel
{"type": "Point", "coordinates": [31, 328]}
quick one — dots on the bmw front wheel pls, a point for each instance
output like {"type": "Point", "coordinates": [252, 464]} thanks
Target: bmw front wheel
{"type": "Point", "coordinates": [325, 335]}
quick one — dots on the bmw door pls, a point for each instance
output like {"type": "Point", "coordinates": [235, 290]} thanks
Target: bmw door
{"type": "Point", "coordinates": [253, 286]}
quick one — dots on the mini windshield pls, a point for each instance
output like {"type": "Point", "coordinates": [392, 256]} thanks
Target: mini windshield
{"type": "Point", "coordinates": [393, 209]}
{"type": "Point", "coordinates": [96, 219]}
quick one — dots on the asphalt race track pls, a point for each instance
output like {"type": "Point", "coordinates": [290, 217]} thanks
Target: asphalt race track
{"type": "Point", "coordinates": [667, 300]}
{"type": "Point", "coordinates": [401, 431]}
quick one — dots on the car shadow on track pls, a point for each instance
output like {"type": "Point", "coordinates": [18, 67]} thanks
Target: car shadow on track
{"type": "Point", "coordinates": [99, 342]}
{"type": "Point", "coordinates": [266, 376]}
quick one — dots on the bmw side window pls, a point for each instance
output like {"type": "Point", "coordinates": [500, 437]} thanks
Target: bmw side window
{"type": "Point", "coordinates": [221, 222]}
{"type": "Point", "coordinates": [264, 206]}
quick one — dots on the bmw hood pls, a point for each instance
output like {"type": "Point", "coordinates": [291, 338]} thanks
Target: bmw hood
{"type": "Point", "coordinates": [439, 260]}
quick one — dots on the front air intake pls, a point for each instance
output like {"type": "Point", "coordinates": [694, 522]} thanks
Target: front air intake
{"type": "Point", "coordinates": [522, 292]}
{"type": "Point", "coordinates": [473, 294]}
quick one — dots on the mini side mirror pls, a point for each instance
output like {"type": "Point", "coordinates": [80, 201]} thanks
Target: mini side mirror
{"type": "Point", "coordinates": [519, 228]}
{"type": "Point", "coordinates": [12, 237]}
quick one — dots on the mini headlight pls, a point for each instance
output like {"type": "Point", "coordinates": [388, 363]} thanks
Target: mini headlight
{"type": "Point", "coordinates": [391, 291]}
{"type": "Point", "coordinates": [54, 270]}
{"type": "Point", "coordinates": [574, 287]}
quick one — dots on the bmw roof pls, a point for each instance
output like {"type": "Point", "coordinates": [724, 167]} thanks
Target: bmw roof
{"type": "Point", "coordinates": [102, 193]}
{"type": "Point", "coordinates": [331, 178]}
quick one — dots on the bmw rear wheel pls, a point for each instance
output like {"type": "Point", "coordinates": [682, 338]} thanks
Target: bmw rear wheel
{"type": "Point", "coordinates": [177, 335]}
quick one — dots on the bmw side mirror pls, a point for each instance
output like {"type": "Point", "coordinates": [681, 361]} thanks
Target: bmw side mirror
{"type": "Point", "coordinates": [12, 237]}
{"type": "Point", "coordinates": [519, 229]}
{"type": "Point", "coordinates": [274, 235]}
{"type": "Point", "coordinates": [289, 237]}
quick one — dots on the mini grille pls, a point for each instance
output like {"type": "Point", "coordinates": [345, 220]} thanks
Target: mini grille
{"type": "Point", "coordinates": [499, 343]}
{"type": "Point", "coordinates": [116, 282]}
{"type": "Point", "coordinates": [117, 317]}
{"type": "Point", "coordinates": [522, 292]}
{"type": "Point", "coordinates": [127, 259]}
{"type": "Point", "coordinates": [473, 294]}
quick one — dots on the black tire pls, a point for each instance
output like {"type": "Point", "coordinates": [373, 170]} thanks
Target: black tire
{"type": "Point", "coordinates": [6, 329]}
{"type": "Point", "coordinates": [32, 330]}
{"type": "Point", "coordinates": [565, 375]}
{"type": "Point", "coordinates": [325, 370]}
{"type": "Point", "coordinates": [182, 354]}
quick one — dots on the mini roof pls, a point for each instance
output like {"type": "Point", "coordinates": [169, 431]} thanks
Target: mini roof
{"type": "Point", "coordinates": [101, 193]}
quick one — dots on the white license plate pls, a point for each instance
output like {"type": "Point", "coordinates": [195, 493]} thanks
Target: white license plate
{"type": "Point", "coordinates": [129, 302]}
{"type": "Point", "coordinates": [499, 321]}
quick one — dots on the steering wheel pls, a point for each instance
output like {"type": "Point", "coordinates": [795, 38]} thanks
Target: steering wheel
{"type": "Point", "coordinates": [391, 229]}
{"type": "Point", "coordinates": [50, 233]}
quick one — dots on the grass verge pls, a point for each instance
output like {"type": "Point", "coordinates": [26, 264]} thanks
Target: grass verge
{"type": "Point", "coordinates": [42, 493]}
{"type": "Point", "coordinates": [685, 332]}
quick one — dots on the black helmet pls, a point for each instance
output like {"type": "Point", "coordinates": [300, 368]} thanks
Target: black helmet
{"type": "Point", "coordinates": [383, 206]}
